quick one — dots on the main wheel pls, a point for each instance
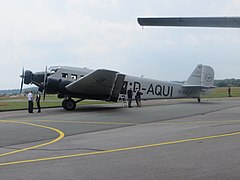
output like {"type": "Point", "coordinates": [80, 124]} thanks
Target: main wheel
{"type": "Point", "coordinates": [63, 103]}
{"type": "Point", "coordinates": [69, 104]}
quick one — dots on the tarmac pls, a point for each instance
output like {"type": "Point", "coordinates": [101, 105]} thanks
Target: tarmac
{"type": "Point", "coordinates": [166, 139]}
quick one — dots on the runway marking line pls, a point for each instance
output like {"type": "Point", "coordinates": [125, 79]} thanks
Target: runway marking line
{"type": "Point", "coordinates": [125, 123]}
{"type": "Point", "coordinates": [120, 149]}
{"type": "Point", "coordinates": [61, 135]}
{"type": "Point", "coordinates": [82, 122]}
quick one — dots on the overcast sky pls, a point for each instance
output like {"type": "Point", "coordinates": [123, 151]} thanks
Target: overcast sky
{"type": "Point", "coordinates": [105, 34]}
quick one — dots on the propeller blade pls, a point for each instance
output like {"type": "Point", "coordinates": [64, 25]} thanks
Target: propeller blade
{"type": "Point", "coordinates": [45, 83]}
{"type": "Point", "coordinates": [45, 77]}
{"type": "Point", "coordinates": [44, 95]}
{"type": "Point", "coordinates": [22, 76]}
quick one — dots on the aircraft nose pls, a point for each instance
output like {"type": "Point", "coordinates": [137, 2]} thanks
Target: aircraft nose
{"type": "Point", "coordinates": [28, 77]}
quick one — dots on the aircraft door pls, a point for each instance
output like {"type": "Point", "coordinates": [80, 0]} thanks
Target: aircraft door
{"type": "Point", "coordinates": [118, 87]}
{"type": "Point", "coordinates": [124, 88]}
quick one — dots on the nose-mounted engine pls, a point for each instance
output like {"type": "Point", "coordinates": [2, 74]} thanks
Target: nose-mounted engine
{"type": "Point", "coordinates": [33, 78]}
{"type": "Point", "coordinates": [38, 78]}
{"type": "Point", "coordinates": [28, 76]}
{"type": "Point", "coordinates": [44, 82]}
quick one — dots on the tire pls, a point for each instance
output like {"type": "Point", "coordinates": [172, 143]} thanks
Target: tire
{"type": "Point", "coordinates": [69, 104]}
{"type": "Point", "coordinates": [63, 103]}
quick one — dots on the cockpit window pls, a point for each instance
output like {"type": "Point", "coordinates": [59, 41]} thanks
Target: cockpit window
{"type": "Point", "coordinates": [52, 71]}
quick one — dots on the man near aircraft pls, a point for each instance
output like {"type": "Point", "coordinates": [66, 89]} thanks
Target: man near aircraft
{"type": "Point", "coordinates": [30, 102]}
{"type": "Point", "coordinates": [229, 91]}
{"type": "Point", "coordinates": [38, 98]}
{"type": "Point", "coordinates": [129, 95]}
{"type": "Point", "coordinates": [138, 98]}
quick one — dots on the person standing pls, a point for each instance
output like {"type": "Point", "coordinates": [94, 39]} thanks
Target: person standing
{"type": "Point", "coordinates": [38, 99]}
{"type": "Point", "coordinates": [229, 91]}
{"type": "Point", "coordinates": [138, 98]}
{"type": "Point", "coordinates": [129, 95]}
{"type": "Point", "coordinates": [30, 102]}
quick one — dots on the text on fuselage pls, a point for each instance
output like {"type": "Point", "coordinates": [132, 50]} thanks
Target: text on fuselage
{"type": "Point", "coordinates": [152, 89]}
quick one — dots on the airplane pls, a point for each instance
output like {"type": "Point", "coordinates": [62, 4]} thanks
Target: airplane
{"type": "Point", "coordinates": [103, 84]}
{"type": "Point", "coordinates": [108, 85]}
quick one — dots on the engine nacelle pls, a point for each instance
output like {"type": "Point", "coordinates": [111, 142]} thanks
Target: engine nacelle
{"type": "Point", "coordinates": [28, 77]}
{"type": "Point", "coordinates": [56, 85]}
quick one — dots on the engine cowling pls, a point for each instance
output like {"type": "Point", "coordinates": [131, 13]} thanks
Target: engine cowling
{"type": "Point", "coordinates": [56, 85]}
{"type": "Point", "coordinates": [28, 77]}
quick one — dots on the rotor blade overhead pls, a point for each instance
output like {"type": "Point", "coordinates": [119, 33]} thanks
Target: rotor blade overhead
{"type": "Point", "coordinates": [221, 22]}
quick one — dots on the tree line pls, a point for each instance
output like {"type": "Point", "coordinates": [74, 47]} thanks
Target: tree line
{"type": "Point", "coordinates": [227, 82]}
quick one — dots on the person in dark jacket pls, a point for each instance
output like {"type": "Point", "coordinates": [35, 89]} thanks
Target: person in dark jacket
{"type": "Point", "coordinates": [38, 99]}
{"type": "Point", "coordinates": [229, 91]}
{"type": "Point", "coordinates": [129, 95]}
{"type": "Point", "coordinates": [138, 98]}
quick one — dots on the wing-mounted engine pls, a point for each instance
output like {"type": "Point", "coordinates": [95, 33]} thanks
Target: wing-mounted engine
{"type": "Point", "coordinates": [57, 85]}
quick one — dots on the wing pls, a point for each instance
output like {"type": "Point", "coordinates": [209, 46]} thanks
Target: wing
{"type": "Point", "coordinates": [224, 22]}
{"type": "Point", "coordinates": [98, 83]}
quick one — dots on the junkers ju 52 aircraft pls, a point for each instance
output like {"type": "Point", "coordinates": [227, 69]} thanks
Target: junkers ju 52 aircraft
{"type": "Point", "coordinates": [108, 85]}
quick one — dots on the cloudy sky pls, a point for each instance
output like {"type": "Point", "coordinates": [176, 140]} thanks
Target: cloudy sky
{"type": "Point", "coordinates": [105, 34]}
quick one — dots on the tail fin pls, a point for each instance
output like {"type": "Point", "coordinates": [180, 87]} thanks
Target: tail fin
{"type": "Point", "coordinates": [202, 76]}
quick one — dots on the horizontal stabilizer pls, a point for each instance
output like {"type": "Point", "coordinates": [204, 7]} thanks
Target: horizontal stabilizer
{"type": "Point", "coordinates": [199, 87]}
{"type": "Point", "coordinates": [223, 22]}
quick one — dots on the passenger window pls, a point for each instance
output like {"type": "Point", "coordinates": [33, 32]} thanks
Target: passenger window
{"type": "Point", "coordinates": [74, 76]}
{"type": "Point", "coordinates": [64, 75]}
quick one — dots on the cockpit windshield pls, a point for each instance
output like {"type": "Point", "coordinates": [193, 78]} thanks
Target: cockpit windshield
{"type": "Point", "coordinates": [53, 70]}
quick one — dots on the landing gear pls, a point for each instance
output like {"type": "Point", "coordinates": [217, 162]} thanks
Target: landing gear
{"type": "Point", "coordinates": [69, 104]}
{"type": "Point", "coordinates": [199, 99]}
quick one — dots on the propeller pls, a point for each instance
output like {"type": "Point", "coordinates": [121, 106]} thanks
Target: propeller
{"type": "Point", "coordinates": [45, 83]}
{"type": "Point", "coordinates": [22, 76]}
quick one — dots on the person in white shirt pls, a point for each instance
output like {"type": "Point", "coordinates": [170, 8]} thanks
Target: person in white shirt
{"type": "Point", "coordinates": [30, 102]}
